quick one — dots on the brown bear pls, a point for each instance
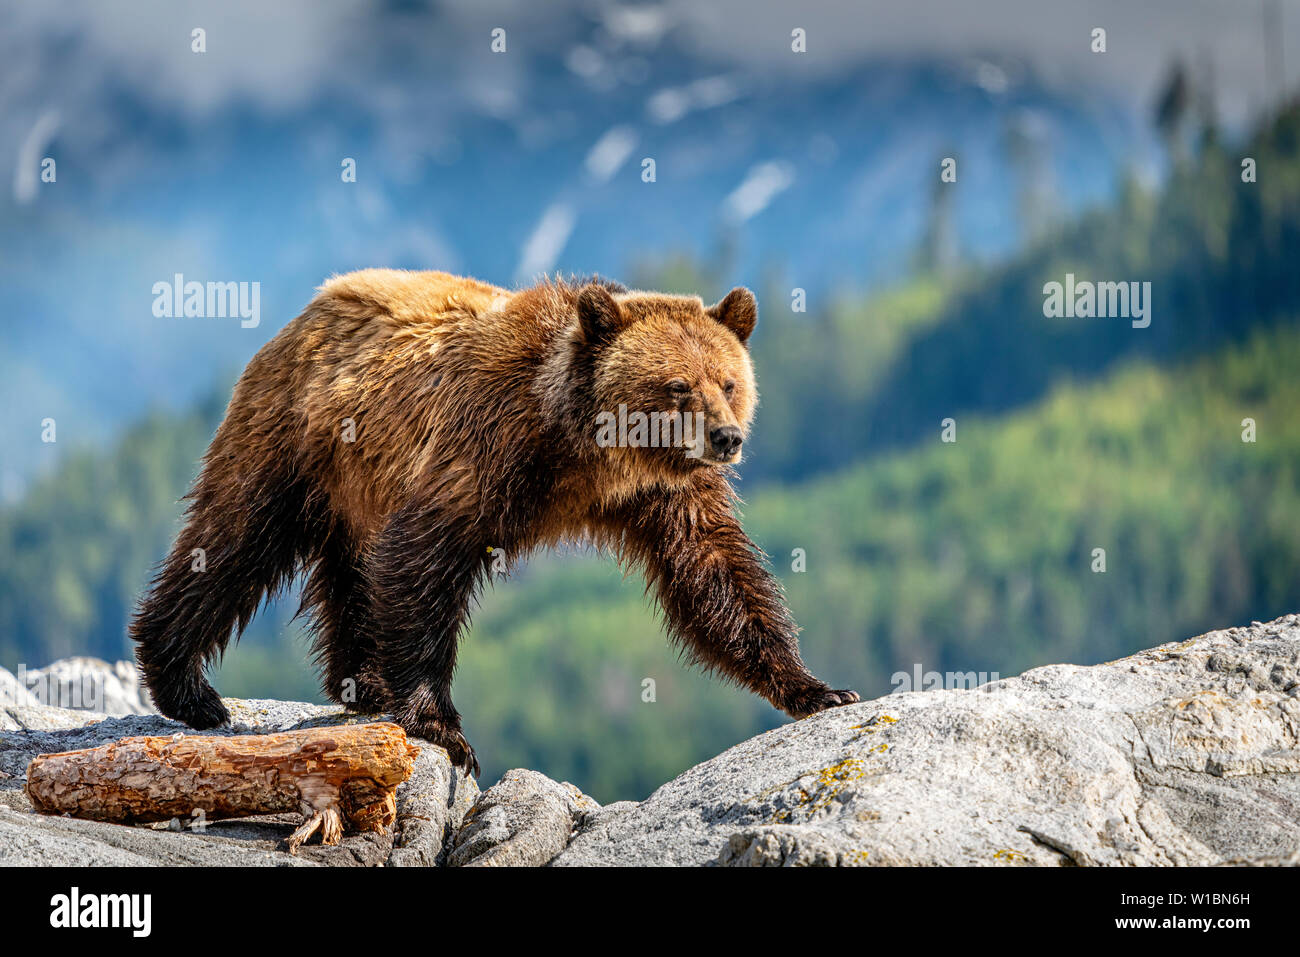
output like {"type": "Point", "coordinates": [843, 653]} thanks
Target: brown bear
{"type": "Point", "coordinates": [409, 428]}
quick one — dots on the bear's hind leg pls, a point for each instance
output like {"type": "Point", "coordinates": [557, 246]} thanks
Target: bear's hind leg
{"type": "Point", "coordinates": [242, 539]}
{"type": "Point", "coordinates": [343, 639]}
{"type": "Point", "coordinates": [423, 571]}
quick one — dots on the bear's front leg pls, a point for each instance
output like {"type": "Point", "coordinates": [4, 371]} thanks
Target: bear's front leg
{"type": "Point", "coordinates": [719, 600]}
{"type": "Point", "coordinates": [423, 570]}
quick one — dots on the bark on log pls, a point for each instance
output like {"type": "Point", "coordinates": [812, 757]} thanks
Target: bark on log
{"type": "Point", "coordinates": [337, 776]}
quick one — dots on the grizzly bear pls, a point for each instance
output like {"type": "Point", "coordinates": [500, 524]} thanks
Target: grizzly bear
{"type": "Point", "coordinates": [410, 431]}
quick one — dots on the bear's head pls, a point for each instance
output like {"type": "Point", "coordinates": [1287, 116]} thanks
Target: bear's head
{"type": "Point", "coordinates": [672, 379]}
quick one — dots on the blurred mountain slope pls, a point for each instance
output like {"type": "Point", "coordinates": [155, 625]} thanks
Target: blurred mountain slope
{"type": "Point", "coordinates": [1219, 253]}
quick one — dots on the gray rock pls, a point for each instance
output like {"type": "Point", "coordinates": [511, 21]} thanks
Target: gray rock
{"type": "Point", "coordinates": [41, 717]}
{"type": "Point", "coordinates": [523, 820]}
{"type": "Point", "coordinates": [430, 808]}
{"type": "Point", "coordinates": [13, 693]}
{"type": "Point", "coordinates": [1184, 754]}
{"type": "Point", "coordinates": [20, 709]}
{"type": "Point", "coordinates": [90, 684]}
{"type": "Point", "coordinates": [587, 820]}
{"type": "Point", "coordinates": [431, 802]}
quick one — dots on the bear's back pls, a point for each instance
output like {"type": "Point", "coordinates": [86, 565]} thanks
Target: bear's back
{"type": "Point", "coordinates": [411, 297]}
{"type": "Point", "coordinates": [409, 366]}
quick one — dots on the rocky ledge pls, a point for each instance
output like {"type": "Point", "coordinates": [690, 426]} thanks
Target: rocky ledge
{"type": "Point", "coordinates": [1184, 754]}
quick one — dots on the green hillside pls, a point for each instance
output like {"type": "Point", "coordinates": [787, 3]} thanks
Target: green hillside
{"type": "Point", "coordinates": [874, 375]}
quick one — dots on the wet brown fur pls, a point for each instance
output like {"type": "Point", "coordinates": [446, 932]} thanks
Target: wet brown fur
{"type": "Point", "coordinates": [473, 409]}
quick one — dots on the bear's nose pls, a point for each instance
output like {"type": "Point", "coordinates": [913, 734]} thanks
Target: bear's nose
{"type": "Point", "coordinates": [725, 440]}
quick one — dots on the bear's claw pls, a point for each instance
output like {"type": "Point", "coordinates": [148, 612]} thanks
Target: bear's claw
{"type": "Point", "coordinates": [461, 753]}
{"type": "Point", "coordinates": [452, 740]}
{"type": "Point", "coordinates": [819, 699]}
{"type": "Point", "coordinates": [841, 696]}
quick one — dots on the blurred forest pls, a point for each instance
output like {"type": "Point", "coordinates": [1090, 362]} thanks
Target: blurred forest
{"type": "Point", "coordinates": [975, 555]}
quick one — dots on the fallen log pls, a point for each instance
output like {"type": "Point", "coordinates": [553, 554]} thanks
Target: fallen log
{"type": "Point", "coordinates": [344, 776]}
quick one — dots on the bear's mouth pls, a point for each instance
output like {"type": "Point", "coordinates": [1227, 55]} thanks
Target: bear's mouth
{"type": "Point", "coordinates": [710, 458]}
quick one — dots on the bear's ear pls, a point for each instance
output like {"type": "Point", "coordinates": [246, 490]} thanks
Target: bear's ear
{"type": "Point", "coordinates": [738, 312]}
{"type": "Point", "coordinates": [598, 314]}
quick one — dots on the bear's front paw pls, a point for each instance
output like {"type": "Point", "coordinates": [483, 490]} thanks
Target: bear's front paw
{"type": "Point", "coordinates": [819, 699]}
{"type": "Point", "coordinates": [451, 740]}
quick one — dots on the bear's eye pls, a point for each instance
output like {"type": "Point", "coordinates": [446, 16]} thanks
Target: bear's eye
{"type": "Point", "coordinates": [728, 388]}
{"type": "Point", "coordinates": [677, 388]}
